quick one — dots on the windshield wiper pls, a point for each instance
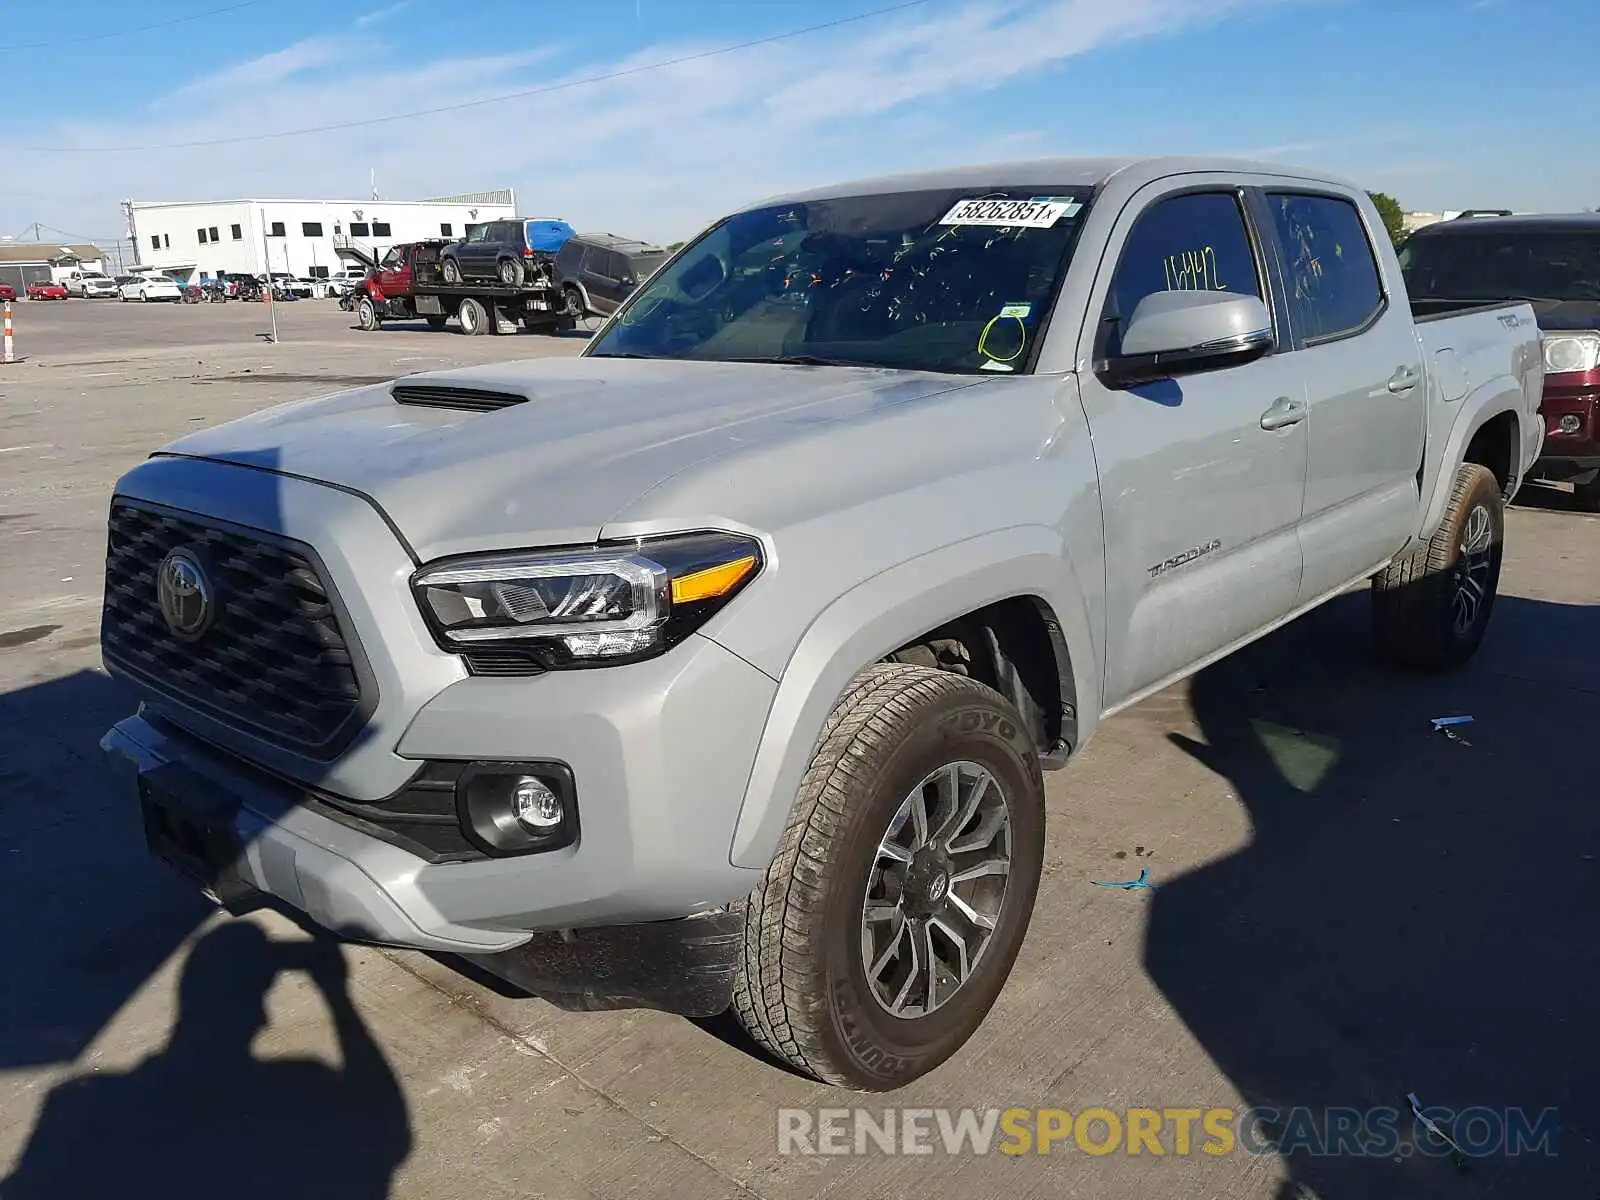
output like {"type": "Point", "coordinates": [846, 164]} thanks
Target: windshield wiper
{"type": "Point", "coordinates": [803, 360]}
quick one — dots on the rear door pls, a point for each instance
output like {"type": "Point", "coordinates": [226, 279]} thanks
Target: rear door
{"type": "Point", "coordinates": [1200, 500]}
{"type": "Point", "coordinates": [600, 269]}
{"type": "Point", "coordinates": [1359, 352]}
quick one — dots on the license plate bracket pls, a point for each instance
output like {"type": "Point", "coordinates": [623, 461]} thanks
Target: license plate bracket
{"type": "Point", "coordinates": [190, 826]}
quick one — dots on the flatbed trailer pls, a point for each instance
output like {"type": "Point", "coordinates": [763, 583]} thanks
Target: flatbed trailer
{"type": "Point", "coordinates": [407, 285]}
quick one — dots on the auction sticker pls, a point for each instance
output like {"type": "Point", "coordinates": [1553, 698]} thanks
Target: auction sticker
{"type": "Point", "coordinates": [1032, 214]}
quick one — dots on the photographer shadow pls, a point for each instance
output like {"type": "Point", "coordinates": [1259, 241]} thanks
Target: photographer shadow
{"type": "Point", "coordinates": [1413, 914]}
{"type": "Point", "coordinates": [204, 1117]}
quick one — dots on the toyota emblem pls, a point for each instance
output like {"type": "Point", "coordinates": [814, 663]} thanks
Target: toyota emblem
{"type": "Point", "coordinates": [184, 593]}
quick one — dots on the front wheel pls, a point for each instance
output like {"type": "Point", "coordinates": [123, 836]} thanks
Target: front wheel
{"type": "Point", "coordinates": [572, 301]}
{"type": "Point", "coordinates": [1431, 609]}
{"type": "Point", "coordinates": [367, 314]}
{"type": "Point", "coordinates": [903, 885]}
{"type": "Point", "coordinates": [451, 270]}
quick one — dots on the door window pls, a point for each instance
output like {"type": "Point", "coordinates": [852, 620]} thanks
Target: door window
{"type": "Point", "coordinates": [1194, 242]}
{"type": "Point", "coordinates": [1332, 276]}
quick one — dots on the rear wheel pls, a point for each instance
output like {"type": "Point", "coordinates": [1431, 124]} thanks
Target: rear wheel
{"type": "Point", "coordinates": [902, 887]}
{"type": "Point", "coordinates": [451, 270]}
{"type": "Point", "coordinates": [367, 314]}
{"type": "Point", "coordinates": [473, 317]}
{"type": "Point", "coordinates": [1432, 608]}
{"type": "Point", "coordinates": [510, 272]}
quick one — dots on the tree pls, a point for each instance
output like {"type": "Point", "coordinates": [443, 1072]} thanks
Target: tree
{"type": "Point", "coordinates": [1394, 217]}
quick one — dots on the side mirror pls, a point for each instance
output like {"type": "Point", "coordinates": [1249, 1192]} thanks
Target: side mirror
{"type": "Point", "coordinates": [1179, 333]}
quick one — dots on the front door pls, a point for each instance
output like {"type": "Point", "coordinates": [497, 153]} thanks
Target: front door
{"type": "Point", "coordinates": [1201, 476]}
{"type": "Point", "coordinates": [393, 275]}
{"type": "Point", "coordinates": [1367, 394]}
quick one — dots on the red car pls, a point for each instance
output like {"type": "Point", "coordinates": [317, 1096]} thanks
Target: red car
{"type": "Point", "coordinates": [46, 291]}
{"type": "Point", "coordinates": [7, 292]}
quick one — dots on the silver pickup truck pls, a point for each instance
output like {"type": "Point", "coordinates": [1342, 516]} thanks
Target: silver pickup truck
{"type": "Point", "coordinates": [719, 666]}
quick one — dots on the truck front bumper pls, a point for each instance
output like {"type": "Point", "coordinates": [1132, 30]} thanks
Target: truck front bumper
{"type": "Point", "coordinates": [1572, 431]}
{"type": "Point", "coordinates": [659, 753]}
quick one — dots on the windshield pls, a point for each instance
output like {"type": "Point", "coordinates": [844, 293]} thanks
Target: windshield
{"type": "Point", "coordinates": [952, 280]}
{"type": "Point", "coordinates": [1536, 265]}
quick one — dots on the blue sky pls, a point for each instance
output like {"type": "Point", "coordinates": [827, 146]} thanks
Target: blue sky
{"type": "Point", "coordinates": [1443, 103]}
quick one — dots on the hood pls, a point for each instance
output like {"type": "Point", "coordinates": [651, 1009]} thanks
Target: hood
{"type": "Point", "coordinates": [590, 436]}
{"type": "Point", "coordinates": [1561, 315]}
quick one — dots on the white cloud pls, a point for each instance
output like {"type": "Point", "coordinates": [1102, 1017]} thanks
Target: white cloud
{"type": "Point", "coordinates": [381, 14]}
{"type": "Point", "coordinates": [655, 153]}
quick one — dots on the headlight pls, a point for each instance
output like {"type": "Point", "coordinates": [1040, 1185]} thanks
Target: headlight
{"type": "Point", "coordinates": [609, 603]}
{"type": "Point", "coordinates": [1565, 353]}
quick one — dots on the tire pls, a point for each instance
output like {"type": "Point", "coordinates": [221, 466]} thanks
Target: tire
{"type": "Point", "coordinates": [367, 314]}
{"type": "Point", "coordinates": [1431, 609]}
{"type": "Point", "coordinates": [805, 990]}
{"type": "Point", "coordinates": [436, 321]}
{"type": "Point", "coordinates": [473, 317]}
{"type": "Point", "coordinates": [144, 297]}
{"type": "Point", "coordinates": [510, 272]}
{"type": "Point", "coordinates": [572, 302]}
{"type": "Point", "coordinates": [451, 270]}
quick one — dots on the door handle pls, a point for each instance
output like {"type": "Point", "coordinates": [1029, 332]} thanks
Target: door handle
{"type": "Point", "coordinates": [1285, 411]}
{"type": "Point", "coordinates": [1403, 379]}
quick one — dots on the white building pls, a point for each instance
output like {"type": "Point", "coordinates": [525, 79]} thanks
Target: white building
{"type": "Point", "coordinates": [199, 240]}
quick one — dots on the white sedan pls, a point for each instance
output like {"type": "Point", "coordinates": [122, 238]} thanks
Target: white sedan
{"type": "Point", "coordinates": [152, 287]}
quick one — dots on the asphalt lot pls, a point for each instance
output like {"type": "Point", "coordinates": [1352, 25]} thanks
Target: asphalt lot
{"type": "Point", "coordinates": [1350, 907]}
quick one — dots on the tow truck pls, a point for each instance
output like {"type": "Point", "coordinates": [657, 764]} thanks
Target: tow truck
{"type": "Point", "coordinates": [406, 284]}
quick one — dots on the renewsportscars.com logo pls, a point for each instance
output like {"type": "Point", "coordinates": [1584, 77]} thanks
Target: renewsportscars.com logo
{"type": "Point", "coordinates": [1374, 1132]}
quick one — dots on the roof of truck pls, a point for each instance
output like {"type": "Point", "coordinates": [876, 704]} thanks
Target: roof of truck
{"type": "Point", "coordinates": [1527, 223]}
{"type": "Point", "coordinates": [1058, 172]}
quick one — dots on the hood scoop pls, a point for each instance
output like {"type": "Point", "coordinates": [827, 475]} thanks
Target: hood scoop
{"type": "Point", "coordinates": [464, 399]}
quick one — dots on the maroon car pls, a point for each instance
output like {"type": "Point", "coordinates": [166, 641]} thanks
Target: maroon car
{"type": "Point", "coordinates": [7, 292]}
{"type": "Point", "coordinates": [1554, 263]}
{"type": "Point", "coordinates": [46, 291]}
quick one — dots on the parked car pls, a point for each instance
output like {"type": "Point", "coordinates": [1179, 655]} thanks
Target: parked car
{"type": "Point", "coordinates": [285, 284]}
{"type": "Point", "coordinates": [150, 287]}
{"type": "Point", "coordinates": [499, 250]}
{"type": "Point", "coordinates": [237, 281]}
{"type": "Point", "coordinates": [46, 290]}
{"type": "Point", "coordinates": [88, 283]}
{"type": "Point", "coordinates": [727, 678]}
{"type": "Point", "coordinates": [343, 281]}
{"type": "Point", "coordinates": [7, 292]}
{"type": "Point", "coordinates": [598, 271]}
{"type": "Point", "coordinates": [1550, 261]}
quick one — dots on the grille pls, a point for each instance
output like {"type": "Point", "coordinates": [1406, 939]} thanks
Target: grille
{"type": "Point", "coordinates": [464, 398]}
{"type": "Point", "coordinates": [273, 658]}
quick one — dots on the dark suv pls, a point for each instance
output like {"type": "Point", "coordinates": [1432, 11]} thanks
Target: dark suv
{"type": "Point", "coordinates": [1553, 262]}
{"type": "Point", "coordinates": [502, 250]}
{"type": "Point", "coordinates": [598, 271]}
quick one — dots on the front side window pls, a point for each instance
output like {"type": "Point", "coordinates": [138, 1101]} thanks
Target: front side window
{"type": "Point", "coordinates": [949, 280]}
{"type": "Point", "coordinates": [1196, 242]}
{"type": "Point", "coordinates": [478, 233]}
{"type": "Point", "coordinates": [392, 259]}
{"type": "Point", "coordinates": [1332, 276]}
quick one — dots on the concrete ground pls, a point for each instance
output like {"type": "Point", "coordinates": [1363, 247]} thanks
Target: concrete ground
{"type": "Point", "coordinates": [1349, 907]}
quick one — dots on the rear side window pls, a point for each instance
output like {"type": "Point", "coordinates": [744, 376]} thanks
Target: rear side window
{"type": "Point", "coordinates": [1329, 267]}
{"type": "Point", "coordinates": [1196, 242]}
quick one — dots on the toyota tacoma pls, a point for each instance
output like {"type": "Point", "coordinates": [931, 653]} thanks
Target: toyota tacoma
{"type": "Point", "coordinates": [719, 666]}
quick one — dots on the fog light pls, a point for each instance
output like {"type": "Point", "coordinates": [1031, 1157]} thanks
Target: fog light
{"type": "Point", "coordinates": [535, 805]}
{"type": "Point", "coordinates": [1570, 423]}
